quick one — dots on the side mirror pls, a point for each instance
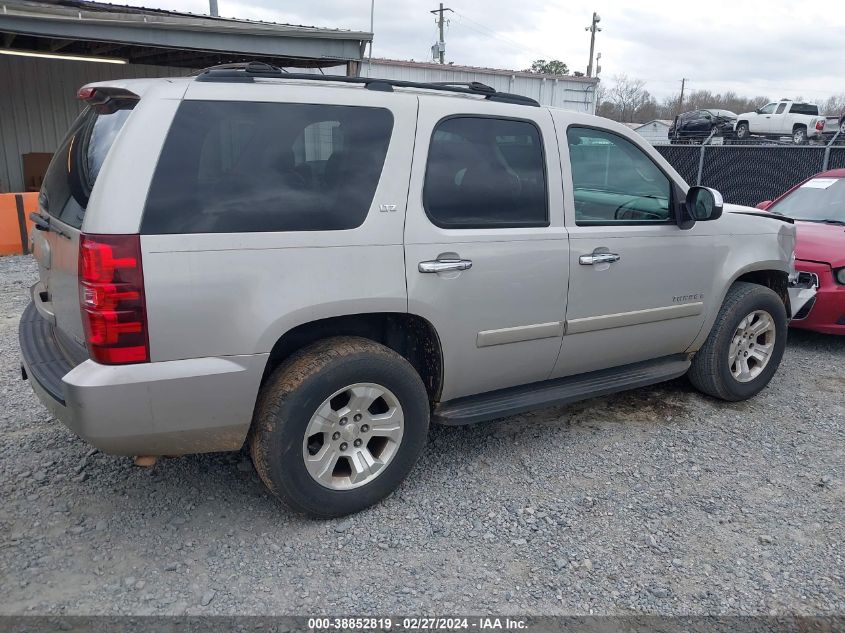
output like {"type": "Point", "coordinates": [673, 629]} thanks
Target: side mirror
{"type": "Point", "coordinates": [704, 203]}
{"type": "Point", "coordinates": [757, 111]}
{"type": "Point", "coordinates": [764, 205]}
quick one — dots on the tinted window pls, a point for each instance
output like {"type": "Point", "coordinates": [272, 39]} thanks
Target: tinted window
{"type": "Point", "coordinates": [614, 181]}
{"type": "Point", "coordinates": [76, 164]}
{"type": "Point", "coordinates": [485, 173]}
{"type": "Point", "coordinates": [804, 108]}
{"type": "Point", "coordinates": [233, 167]}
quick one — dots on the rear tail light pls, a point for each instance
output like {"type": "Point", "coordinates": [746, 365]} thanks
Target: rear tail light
{"type": "Point", "coordinates": [111, 296]}
{"type": "Point", "coordinates": [820, 125]}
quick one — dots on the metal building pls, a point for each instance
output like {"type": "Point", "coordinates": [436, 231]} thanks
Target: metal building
{"type": "Point", "coordinates": [568, 92]}
{"type": "Point", "coordinates": [38, 82]}
{"type": "Point", "coordinates": [39, 76]}
{"type": "Point", "coordinates": [655, 131]}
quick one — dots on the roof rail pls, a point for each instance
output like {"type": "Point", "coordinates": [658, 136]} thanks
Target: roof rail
{"type": "Point", "coordinates": [250, 71]}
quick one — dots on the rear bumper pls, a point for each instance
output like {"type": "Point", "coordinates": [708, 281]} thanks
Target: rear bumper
{"type": "Point", "coordinates": [176, 407]}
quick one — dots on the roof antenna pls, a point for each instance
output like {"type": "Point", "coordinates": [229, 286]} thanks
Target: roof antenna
{"type": "Point", "coordinates": [212, 8]}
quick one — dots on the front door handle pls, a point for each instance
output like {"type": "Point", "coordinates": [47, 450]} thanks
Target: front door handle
{"type": "Point", "coordinates": [444, 265]}
{"type": "Point", "coordinates": [598, 258]}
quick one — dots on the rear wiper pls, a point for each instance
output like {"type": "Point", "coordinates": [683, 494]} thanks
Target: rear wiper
{"type": "Point", "coordinates": [45, 223]}
{"type": "Point", "coordinates": [830, 221]}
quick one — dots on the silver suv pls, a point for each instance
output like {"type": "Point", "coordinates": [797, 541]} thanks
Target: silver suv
{"type": "Point", "coordinates": [320, 266]}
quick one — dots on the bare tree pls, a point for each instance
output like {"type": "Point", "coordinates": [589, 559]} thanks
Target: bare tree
{"type": "Point", "coordinates": [704, 99]}
{"type": "Point", "coordinates": [627, 96]}
{"type": "Point", "coordinates": [834, 105]}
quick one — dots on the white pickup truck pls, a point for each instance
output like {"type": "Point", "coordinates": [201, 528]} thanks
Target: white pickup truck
{"type": "Point", "coordinates": [801, 121]}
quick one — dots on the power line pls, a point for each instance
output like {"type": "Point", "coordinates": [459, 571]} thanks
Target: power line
{"type": "Point", "coordinates": [492, 33]}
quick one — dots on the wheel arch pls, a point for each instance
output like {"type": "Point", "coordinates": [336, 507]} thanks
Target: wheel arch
{"type": "Point", "coordinates": [777, 280]}
{"type": "Point", "coordinates": [765, 273]}
{"type": "Point", "coordinates": [409, 335]}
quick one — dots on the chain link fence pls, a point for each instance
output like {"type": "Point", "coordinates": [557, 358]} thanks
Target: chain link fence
{"type": "Point", "coordinates": [748, 174]}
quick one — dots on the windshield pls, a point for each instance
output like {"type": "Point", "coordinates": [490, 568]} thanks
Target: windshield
{"type": "Point", "coordinates": [816, 200]}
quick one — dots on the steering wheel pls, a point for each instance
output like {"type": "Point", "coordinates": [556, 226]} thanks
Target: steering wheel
{"type": "Point", "coordinates": [623, 212]}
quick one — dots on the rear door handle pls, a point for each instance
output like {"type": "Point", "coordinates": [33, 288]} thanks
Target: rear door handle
{"type": "Point", "coordinates": [598, 258]}
{"type": "Point", "coordinates": [444, 265]}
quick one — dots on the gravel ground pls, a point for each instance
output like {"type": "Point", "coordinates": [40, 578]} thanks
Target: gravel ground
{"type": "Point", "coordinates": [654, 501]}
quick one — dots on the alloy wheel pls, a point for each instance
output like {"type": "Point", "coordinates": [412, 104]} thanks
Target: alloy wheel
{"type": "Point", "coordinates": [751, 346]}
{"type": "Point", "coordinates": [353, 436]}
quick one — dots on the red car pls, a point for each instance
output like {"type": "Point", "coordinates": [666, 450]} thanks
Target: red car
{"type": "Point", "coordinates": [818, 207]}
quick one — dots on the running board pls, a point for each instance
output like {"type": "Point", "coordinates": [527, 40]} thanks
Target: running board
{"type": "Point", "coordinates": [560, 391]}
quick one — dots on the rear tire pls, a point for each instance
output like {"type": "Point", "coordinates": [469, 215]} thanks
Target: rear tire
{"type": "Point", "coordinates": [745, 345]}
{"type": "Point", "coordinates": [799, 136]}
{"type": "Point", "coordinates": [338, 426]}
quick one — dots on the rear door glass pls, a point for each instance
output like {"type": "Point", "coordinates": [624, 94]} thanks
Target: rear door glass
{"type": "Point", "coordinates": [233, 167]}
{"type": "Point", "coordinates": [804, 108]}
{"type": "Point", "coordinates": [485, 172]}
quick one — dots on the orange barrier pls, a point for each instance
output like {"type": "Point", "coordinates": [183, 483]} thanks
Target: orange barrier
{"type": "Point", "coordinates": [15, 225]}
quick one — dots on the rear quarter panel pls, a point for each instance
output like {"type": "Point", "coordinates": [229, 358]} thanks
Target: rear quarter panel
{"type": "Point", "coordinates": [219, 294]}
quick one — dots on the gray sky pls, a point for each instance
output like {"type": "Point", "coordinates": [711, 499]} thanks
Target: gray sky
{"type": "Point", "coordinates": [776, 48]}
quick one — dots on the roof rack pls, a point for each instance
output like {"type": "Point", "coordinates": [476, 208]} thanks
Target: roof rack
{"type": "Point", "coordinates": [250, 71]}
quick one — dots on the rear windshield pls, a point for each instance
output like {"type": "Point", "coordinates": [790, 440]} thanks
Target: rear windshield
{"type": "Point", "coordinates": [231, 167]}
{"type": "Point", "coordinates": [76, 164]}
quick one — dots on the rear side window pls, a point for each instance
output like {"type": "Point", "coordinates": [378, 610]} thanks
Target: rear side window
{"type": "Point", "coordinates": [234, 167]}
{"type": "Point", "coordinates": [76, 164]}
{"type": "Point", "coordinates": [804, 108]}
{"type": "Point", "coordinates": [486, 173]}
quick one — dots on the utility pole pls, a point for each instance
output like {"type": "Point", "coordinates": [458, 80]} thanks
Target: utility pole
{"type": "Point", "coordinates": [681, 98]}
{"type": "Point", "coordinates": [592, 29]}
{"type": "Point", "coordinates": [212, 8]}
{"type": "Point", "coordinates": [441, 45]}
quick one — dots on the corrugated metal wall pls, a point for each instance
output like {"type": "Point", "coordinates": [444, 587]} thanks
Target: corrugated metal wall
{"type": "Point", "coordinates": [567, 93]}
{"type": "Point", "coordinates": [38, 97]}
{"type": "Point", "coordinates": [38, 104]}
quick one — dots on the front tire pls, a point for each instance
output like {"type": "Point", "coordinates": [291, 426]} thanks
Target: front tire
{"type": "Point", "coordinates": [338, 426]}
{"type": "Point", "coordinates": [742, 132]}
{"type": "Point", "coordinates": [745, 345]}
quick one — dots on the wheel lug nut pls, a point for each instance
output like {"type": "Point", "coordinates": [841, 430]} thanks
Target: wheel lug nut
{"type": "Point", "coordinates": [365, 428]}
{"type": "Point", "coordinates": [343, 421]}
{"type": "Point", "coordinates": [335, 435]}
{"type": "Point", "coordinates": [357, 443]}
{"type": "Point", "coordinates": [344, 446]}
{"type": "Point", "coordinates": [357, 417]}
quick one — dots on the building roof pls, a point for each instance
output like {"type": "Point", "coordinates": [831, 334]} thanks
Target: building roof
{"type": "Point", "coordinates": [480, 69]}
{"type": "Point", "coordinates": [171, 38]}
